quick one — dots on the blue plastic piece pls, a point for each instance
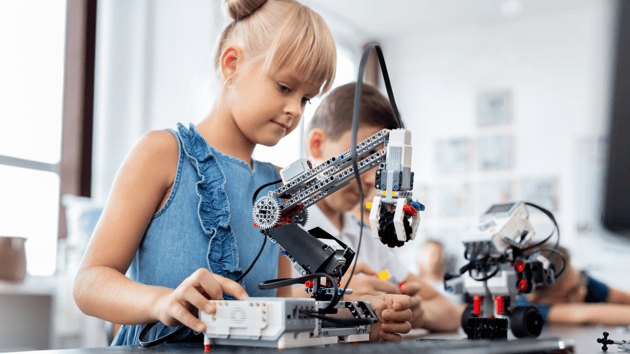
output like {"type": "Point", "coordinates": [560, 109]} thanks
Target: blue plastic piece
{"type": "Point", "coordinates": [417, 206]}
{"type": "Point", "coordinates": [383, 186]}
{"type": "Point", "coordinates": [341, 157]}
{"type": "Point", "coordinates": [395, 187]}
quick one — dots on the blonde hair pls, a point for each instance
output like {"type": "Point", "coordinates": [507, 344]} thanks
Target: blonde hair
{"type": "Point", "coordinates": [281, 34]}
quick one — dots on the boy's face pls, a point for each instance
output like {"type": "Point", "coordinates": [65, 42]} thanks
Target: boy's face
{"type": "Point", "coordinates": [347, 197]}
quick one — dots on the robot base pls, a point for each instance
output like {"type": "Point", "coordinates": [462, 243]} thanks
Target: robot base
{"type": "Point", "coordinates": [487, 328]}
{"type": "Point", "coordinates": [524, 321]}
{"type": "Point", "coordinates": [281, 323]}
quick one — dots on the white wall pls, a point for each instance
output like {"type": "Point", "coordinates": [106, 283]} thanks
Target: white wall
{"type": "Point", "coordinates": [556, 66]}
{"type": "Point", "coordinates": [153, 69]}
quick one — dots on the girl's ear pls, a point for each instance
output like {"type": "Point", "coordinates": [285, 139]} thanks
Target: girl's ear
{"type": "Point", "coordinates": [315, 139]}
{"type": "Point", "coordinates": [231, 59]}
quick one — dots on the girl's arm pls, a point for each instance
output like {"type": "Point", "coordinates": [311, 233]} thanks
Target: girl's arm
{"type": "Point", "coordinates": [101, 288]}
{"type": "Point", "coordinates": [582, 313]}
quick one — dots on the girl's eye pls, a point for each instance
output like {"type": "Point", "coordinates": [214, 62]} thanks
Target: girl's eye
{"type": "Point", "coordinates": [283, 88]}
{"type": "Point", "coordinates": [306, 101]}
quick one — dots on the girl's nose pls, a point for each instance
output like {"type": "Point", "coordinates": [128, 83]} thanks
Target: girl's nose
{"type": "Point", "coordinates": [293, 107]}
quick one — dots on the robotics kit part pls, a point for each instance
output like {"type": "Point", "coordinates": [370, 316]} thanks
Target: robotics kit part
{"type": "Point", "coordinates": [621, 345]}
{"type": "Point", "coordinates": [501, 267]}
{"type": "Point", "coordinates": [281, 323]}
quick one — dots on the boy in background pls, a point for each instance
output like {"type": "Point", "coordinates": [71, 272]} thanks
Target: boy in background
{"type": "Point", "coordinates": [576, 298]}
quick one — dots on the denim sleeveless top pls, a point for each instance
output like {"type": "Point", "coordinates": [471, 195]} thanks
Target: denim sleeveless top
{"type": "Point", "coordinates": [205, 223]}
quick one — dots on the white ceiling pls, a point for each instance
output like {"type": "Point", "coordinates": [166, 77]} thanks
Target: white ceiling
{"type": "Point", "coordinates": [386, 18]}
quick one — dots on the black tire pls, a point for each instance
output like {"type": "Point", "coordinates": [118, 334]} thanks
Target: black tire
{"type": "Point", "coordinates": [526, 322]}
{"type": "Point", "coordinates": [468, 313]}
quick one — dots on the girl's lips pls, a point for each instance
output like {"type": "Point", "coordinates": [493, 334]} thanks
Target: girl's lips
{"type": "Point", "coordinates": [281, 125]}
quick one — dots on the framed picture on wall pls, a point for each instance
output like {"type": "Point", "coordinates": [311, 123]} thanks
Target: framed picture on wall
{"type": "Point", "coordinates": [453, 155]}
{"type": "Point", "coordinates": [495, 152]}
{"type": "Point", "coordinates": [494, 108]}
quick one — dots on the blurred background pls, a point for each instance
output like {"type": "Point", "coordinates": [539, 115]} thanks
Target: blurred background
{"type": "Point", "coordinates": [506, 99]}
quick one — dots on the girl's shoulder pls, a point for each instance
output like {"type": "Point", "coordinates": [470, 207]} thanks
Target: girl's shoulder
{"type": "Point", "coordinates": [156, 154]}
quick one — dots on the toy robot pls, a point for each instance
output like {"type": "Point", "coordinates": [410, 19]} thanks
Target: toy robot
{"type": "Point", "coordinates": [502, 265]}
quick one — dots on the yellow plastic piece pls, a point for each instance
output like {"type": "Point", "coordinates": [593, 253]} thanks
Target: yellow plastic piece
{"type": "Point", "coordinates": [393, 194]}
{"type": "Point", "coordinates": [368, 205]}
{"type": "Point", "coordinates": [384, 193]}
{"type": "Point", "coordinates": [384, 275]}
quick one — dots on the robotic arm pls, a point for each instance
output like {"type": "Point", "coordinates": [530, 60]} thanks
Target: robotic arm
{"type": "Point", "coordinates": [394, 216]}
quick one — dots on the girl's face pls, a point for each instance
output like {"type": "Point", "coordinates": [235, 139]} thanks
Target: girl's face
{"type": "Point", "coordinates": [347, 197]}
{"type": "Point", "coordinates": [267, 107]}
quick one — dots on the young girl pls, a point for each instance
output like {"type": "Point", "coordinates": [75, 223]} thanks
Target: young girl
{"type": "Point", "coordinates": [178, 219]}
{"type": "Point", "coordinates": [330, 135]}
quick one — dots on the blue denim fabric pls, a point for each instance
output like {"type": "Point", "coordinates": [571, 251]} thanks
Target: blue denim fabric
{"type": "Point", "coordinates": [206, 223]}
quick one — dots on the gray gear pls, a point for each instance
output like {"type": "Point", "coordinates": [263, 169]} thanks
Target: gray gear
{"type": "Point", "coordinates": [301, 217]}
{"type": "Point", "coordinates": [266, 212]}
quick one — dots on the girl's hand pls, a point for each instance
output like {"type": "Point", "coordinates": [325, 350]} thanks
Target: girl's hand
{"type": "Point", "coordinates": [175, 307]}
{"type": "Point", "coordinates": [393, 312]}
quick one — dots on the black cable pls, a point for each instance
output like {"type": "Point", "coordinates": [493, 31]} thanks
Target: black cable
{"type": "Point", "coordinates": [496, 270]}
{"type": "Point", "coordinates": [255, 260]}
{"type": "Point", "coordinates": [261, 188]}
{"type": "Point", "coordinates": [265, 237]}
{"type": "Point", "coordinates": [564, 260]}
{"type": "Point", "coordinates": [341, 321]}
{"type": "Point", "coordinates": [176, 333]}
{"type": "Point", "coordinates": [557, 229]}
{"type": "Point", "coordinates": [278, 283]}
{"type": "Point", "coordinates": [356, 109]}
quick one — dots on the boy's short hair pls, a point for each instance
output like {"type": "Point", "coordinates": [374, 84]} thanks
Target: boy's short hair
{"type": "Point", "coordinates": [334, 114]}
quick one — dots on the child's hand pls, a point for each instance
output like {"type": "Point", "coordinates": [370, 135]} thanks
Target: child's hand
{"type": "Point", "coordinates": [195, 291]}
{"type": "Point", "coordinates": [413, 290]}
{"type": "Point", "coordinates": [366, 282]}
{"type": "Point", "coordinates": [393, 312]}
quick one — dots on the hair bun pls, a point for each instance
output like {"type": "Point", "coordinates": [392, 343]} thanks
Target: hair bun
{"type": "Point", "coordinates": [239, 9]}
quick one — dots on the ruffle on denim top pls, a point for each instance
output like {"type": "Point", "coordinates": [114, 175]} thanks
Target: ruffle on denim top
{"type": "Point", "coordinates": [214, 207]}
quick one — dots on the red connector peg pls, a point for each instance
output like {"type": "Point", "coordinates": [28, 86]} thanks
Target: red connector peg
{"type": "Point", "coordinates": [522, 285]}
{"type": "Point", "coordinates": [477, 300]}
{"type": "Point", "coordinates": [500, 304]}
{"type": "Point", "coordinates": [409, 210]}
{"type": "Point", "coordinates": [309, 284]}
{"type": "Point", "coordinates": [519, 266]}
